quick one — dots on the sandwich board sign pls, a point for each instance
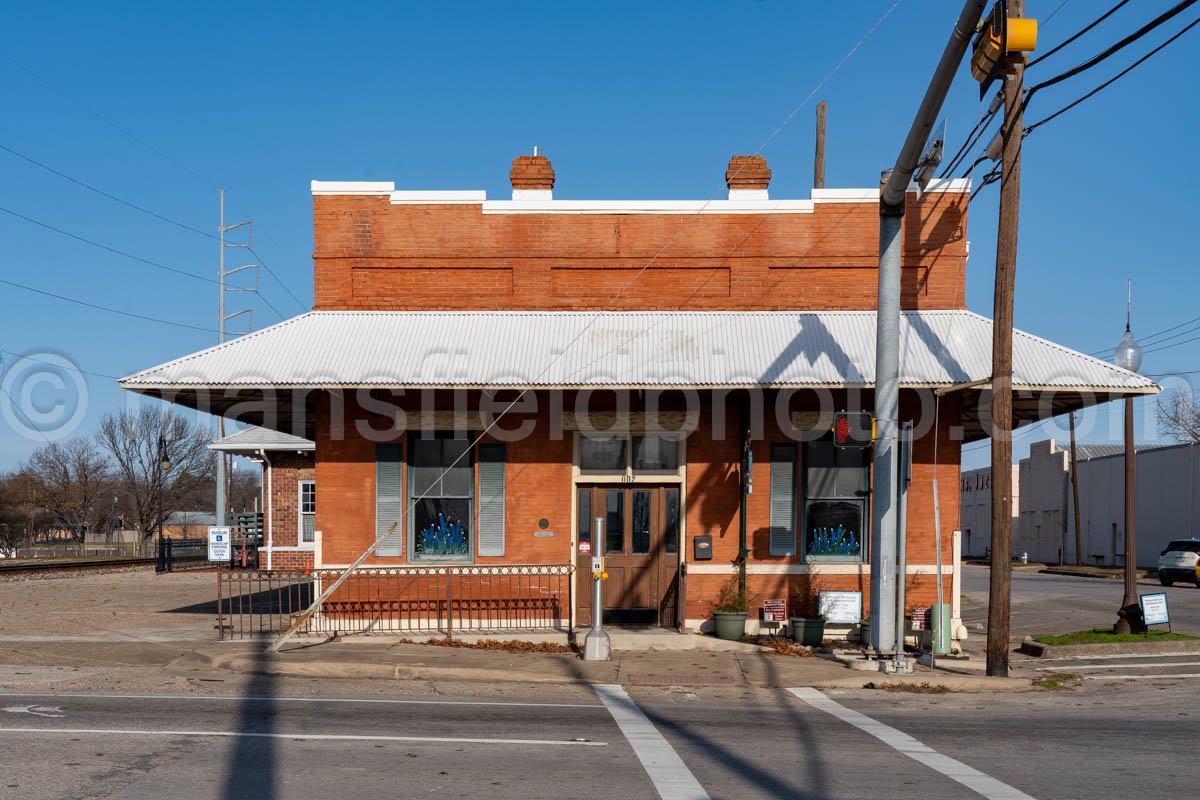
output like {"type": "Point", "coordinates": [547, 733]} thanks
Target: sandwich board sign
{"type": "Point", "coordinates": [1154, 609]}
{"type": "Point", "coordinates": [219, 546]}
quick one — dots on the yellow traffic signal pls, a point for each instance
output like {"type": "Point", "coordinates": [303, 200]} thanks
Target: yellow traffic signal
{"type": "Point", "coordinates": [1001, 43]}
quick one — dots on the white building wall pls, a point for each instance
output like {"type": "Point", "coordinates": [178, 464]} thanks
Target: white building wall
{"type": "Point", "coordinates": [1168, 480]}
{"type": "Point", "coordinates": [1042, 533]}
{"type": "Point", "coordinates": [975, 511]}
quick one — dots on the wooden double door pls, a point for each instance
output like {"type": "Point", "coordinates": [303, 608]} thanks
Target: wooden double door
{"type": "Point", "coordinates": [639, 537]}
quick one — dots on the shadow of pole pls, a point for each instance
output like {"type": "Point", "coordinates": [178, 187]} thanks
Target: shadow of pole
{"type": "Point", "coordinates": [252, 766]}
{"type": "Point", "coordinates": [783, 780]}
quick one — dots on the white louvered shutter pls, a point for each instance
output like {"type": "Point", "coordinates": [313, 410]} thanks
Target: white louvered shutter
{"type": "Point", "coordinates": [491, 500]}
{"type": "Point", "coordinates": [783, 500]}
{"type": "Point", "coordinates": [389, 499]}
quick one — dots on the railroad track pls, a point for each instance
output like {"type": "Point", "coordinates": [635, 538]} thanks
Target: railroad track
{"type": "Point", "coordinates": [74, 566]}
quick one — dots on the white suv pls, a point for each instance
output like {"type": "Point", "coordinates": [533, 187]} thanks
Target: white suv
{"type": "Point", "coordinates": [1178, 562]}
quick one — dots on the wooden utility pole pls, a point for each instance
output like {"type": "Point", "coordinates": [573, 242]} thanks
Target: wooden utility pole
{"type": "Point", "coordinates": [1075, 495]}
{"type": "Point", "coordinates": [1000, 589]}
{"type": "Point", "coordinates": [819, 156]}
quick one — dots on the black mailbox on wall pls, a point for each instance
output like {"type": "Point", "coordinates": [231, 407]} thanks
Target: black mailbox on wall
{"type": "Point", "coordinates": [702, 548]}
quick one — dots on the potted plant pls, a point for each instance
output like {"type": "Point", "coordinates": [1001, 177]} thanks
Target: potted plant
{"type": "Point", "coordinates": [808, 624]}
{"type": "Point", "coordinates": [731, 608]}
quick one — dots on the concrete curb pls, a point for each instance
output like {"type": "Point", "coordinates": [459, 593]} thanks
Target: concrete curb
{"type": "Point", "coordinates": [1078, 573]}
{"type": "Point", "coordinates": [1039, 650]}
{"type": "Point", "coordinates": [566, 670]}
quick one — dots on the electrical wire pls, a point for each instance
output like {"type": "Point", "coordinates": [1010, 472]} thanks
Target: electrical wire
{"type": "Point", "coordinates": [103, 193]}
{"type": "Point", "coordinates": [1111, 80]}
{"type": "Point", "coordinates": [23, 357]}
{"type": "Point", "coordinates": [278, 280]}
{"type": "Point", "coordinates": [114, 250]}
{"type": "Point", "coordinates": [1075, 35]}
{"type": "Point", "coordinates": [1109, 51]}
{"type": "Point", "coordinates": [105, 308]}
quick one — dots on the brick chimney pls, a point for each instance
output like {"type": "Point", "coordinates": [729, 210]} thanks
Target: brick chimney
{"type": "Point", "coordinates": [748, 178]}
{"type": "Point", "coordinates": [532, 177]}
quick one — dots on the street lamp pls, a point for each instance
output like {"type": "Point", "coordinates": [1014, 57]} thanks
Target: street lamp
{"type": "Point", "coordinates": [164, 464]}
{"type": "Point", "coordinates": [1128, 355]}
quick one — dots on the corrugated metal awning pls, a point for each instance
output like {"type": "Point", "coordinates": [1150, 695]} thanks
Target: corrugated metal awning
{"type": "Point", "coordinates": [623, 349]}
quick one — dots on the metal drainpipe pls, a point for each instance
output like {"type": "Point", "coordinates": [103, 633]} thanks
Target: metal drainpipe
{"type": "Point", "coordinates": [743, 475]}
{"type": "Point", "coordinates": [269, 505]}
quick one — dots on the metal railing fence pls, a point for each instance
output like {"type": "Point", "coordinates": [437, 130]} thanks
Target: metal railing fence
{"type": "Point", "coordinates": [442, 600]}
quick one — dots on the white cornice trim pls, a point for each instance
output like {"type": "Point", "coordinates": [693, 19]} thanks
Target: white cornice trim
{"type": "Point", "coordinates": [648, 207]}
{"type": "Point", "coordinates": [353, 187]}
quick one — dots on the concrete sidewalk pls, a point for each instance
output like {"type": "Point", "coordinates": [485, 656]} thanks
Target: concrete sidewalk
{"type": "Point", "coordinates": [400, 661]}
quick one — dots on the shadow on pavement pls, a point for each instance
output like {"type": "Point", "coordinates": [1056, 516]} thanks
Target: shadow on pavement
{"type": "Point", "coordinates": [814, 785]}
{"type": "Point", "coordinates": [251, 771]}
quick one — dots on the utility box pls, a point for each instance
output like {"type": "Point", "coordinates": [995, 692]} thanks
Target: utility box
{"type": "Point", "coordinates": [702, 548]}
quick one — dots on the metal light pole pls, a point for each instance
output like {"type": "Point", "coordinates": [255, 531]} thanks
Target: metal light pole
{"type": "Point", "coordinates": [1128, 355]}
{"type": "Point", "coordinates": [597, 646]}
{"type": "Point", "coordinates": [164, 464]}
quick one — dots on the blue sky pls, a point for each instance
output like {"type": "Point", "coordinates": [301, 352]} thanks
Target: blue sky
{"type": "Point", "coordinates": [630, 100]}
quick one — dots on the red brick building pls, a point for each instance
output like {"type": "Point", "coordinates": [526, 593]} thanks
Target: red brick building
{"type": "Point", "coordinates": [483, 379]}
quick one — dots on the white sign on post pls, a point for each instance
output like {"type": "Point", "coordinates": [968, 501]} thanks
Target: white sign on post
{"type": "Point", "coordinates": [219, 546]}
{"type": "Point", "coordinates": [840, 607]}
{"type": "Point", "coordinates": [1154, 609]}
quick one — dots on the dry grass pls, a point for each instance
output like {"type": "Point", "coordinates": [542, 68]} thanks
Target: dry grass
{"type": "Point", "coordinates": [780, 645]}
{"type": "Point", "coordinates": [913, 688]}
{"type": "Point", "coordinates": [508, 646]}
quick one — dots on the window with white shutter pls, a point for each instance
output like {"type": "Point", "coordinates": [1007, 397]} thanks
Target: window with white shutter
{"type": "Point", "coordinates": [783, 500]}
{"type": "Point", "coordinates": [491, 500]}
{"type": "Point", "coordinates": [389, 500]}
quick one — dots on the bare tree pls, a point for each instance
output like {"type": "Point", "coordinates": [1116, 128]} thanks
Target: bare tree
{"type": "Point", "coordinates": [131, 437]}
{"type": "Point", "coordinates": [73, 477]}
{"type": "Point", "coordinates": [1179, 417]}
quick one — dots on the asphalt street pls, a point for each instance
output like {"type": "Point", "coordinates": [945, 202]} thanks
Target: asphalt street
{"type": "Point", "coordinates": [1096, 742]}
{"type": "Point", "coordinates": [1052, 604]}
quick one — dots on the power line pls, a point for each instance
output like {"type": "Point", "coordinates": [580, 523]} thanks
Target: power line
{"type": "Point", "coordinates": [105, 308]}
{"type": "Point", "coordinates": [23, 357]}
{"type": "Point", "coordinates": [106, 120]}
{"type": "Point", "coordinates": [1111, 80]}
{"type": "Point", "coordinates": [1109, 51]}
{"type": "Point", "coordinates": [103, 193]}
{"type": "Point", "coordinates": [114, 250]}
{"type": "Point", "coordinates": [271, 272]}
{"type": "Point", "coordinates": [1075, 35]}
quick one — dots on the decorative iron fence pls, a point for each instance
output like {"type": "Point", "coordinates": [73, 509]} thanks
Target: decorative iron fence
{"type": "Point", "coordinates": [442, 600]}
{"type": "Point", "coordinates": [176, 555]}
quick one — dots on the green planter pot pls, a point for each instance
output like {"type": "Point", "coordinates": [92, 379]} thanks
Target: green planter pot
{"type": "Point", "coordinates": [730, 624]}
{"type": "Point", "coordinates": [807, 631]}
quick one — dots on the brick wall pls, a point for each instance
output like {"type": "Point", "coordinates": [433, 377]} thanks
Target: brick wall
{"type": "Point", "coordinates": [287, 470]}
{"type": "Point", "coordinates": [539, 485]}
{"type": "Point", "coordinates": [371, 254]}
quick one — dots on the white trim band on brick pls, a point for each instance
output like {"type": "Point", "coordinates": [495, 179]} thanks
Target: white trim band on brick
{"type": "Point", "coordinates": [818, 568]}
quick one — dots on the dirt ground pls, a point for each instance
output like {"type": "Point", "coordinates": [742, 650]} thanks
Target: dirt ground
{"type": "Point", "coordinates": [132, 605]}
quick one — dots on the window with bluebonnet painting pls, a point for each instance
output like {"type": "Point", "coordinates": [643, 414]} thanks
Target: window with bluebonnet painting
{"type": "Point", "coordinates": [836, 486]}
{"type": "Point", "coordinates": [441, 484]}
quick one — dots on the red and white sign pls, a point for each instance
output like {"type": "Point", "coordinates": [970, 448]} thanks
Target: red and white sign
{"type": "Point", "coordinates": [585, 547]}
{"type": "Point", "coordinates": [775, 610]}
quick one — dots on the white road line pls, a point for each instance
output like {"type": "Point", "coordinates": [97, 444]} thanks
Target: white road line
{"type": "Point", "coordinates": [973, 779]}
{"type": "Point", "coordinates": [1083, 667]}
{"type": "Point", "coordinates": [319, 737]}
{"type": "Point", "coordinates": [1127, 655]}
{"type": "Point", "coordinates": [668, 773]}
{"type": "Point", "coordinates": [1163, 677]}
{"type": "Point", "coordinates": [241, 697]}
